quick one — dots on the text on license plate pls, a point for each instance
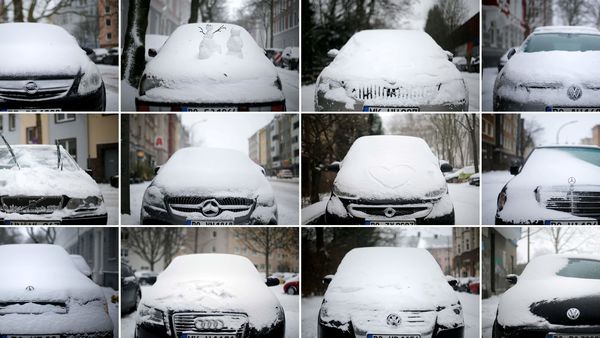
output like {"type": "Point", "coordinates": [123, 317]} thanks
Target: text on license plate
{"type": "Point", "coordinates": [32, 336]}
{"type": "Point", "coordinates": [391, 109]}
{"type": "Point", "coordinates": [220, 222]}
{"type": "Point", "coordinates": [210, 109]}
{"type": "Point", "coordinates": [385, 222]}
{"type": "Point", "coordinates": [198, 335]}
{"type": "Point", "coordinates": [27, 222]}
{"type": "Point", "coordinates": [573, 109]}
{"type": "Point", "coordinates": [554, 222]}
{"type": "Point", "coordinates": [573, 335]}
{"type": "Point", "coordinates": [32, 110]}
{"type": "Point", "coordinates": [370, 335]}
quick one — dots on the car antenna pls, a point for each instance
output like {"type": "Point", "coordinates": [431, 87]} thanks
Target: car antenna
{"type": "Point", "coordinates": [11, 151]}
{"type": "Point", "coordinates": [58, 155]}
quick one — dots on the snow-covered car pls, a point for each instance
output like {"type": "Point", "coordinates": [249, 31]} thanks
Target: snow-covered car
{"type": "Point", "coordinates": [292, 286]}
{"type": "Point", "coordinates": [285, 173]}
{"type": "Point", "coordinates": [474, 179]}
{"type": "Point", "coordinates": [146, 277]}
{"type": "Point", "coordinates": [209, 186]}
{"type": "Point", "coordinates": [43, 68]}
{"type": "Point", "coordinates": [44, 185]}
{"type": "Point", "coordinates": [390, 180]}
{"type": "Point", "coordinates": [474, 65]}
{"type": "Point", "coordinates": [390, 70]}
{"type": "Point", "coordinates": [131, 294]}
{"type": "Point", "coordinates": [274, 54]}
{"type": "Point", "coordinates": [291, 57]}
{"type": "Point", "coordinates": [460, 62]}
{"type": "Point", "coordinates": [504, 58]}
{"type": "Point", "coordinates": [556, 185]}
{"type": "Point", "coordinates": [555, 69]}
{"type": "Point", "coordinates": [555, 296]}
{"type": "Point", "coordinates": [210, 68]}
{"type": "Point", "coordinates": [47, 296]}
{"type": "Point", "coordinates": [390, 292]}
{"type": "Point", "coordinates": [210, 295]}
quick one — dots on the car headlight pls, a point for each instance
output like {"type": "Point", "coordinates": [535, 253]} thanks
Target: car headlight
{"type": "Point", "coordinates": [88, 203]}
{"type": "Point", "coordinates": [342, 194]}
{"type": "Point", "coordinates": [439, 193]}
{"type": "Point", "coordinates": [150, 315]}
{"type": "Point", "coordinates": [502, 199]}
{"type": "Point", "coordinates": [90, 80]}
{"type": "Point", "coordinates": [154, 197]}
{"type": "Point", "coordinates": [148, 83]}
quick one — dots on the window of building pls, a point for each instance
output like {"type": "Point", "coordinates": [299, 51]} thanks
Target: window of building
{"type": "Point", "coordinates": [70, 145]}
{"type": "Point", "coordinates": [108, 22]}
{"type": "Point", "coordinates": [12, 122]}
{"type": "Point", "coordinates": [214, 234]}
{"type": "Point", "coordinates": [61, 118]}
{"type": "Point", "coordinates": [109, 36]}
{"type": "Point", "coordinates": [31, 135]}
{"type": "Point", "coordinates": [107, 9]}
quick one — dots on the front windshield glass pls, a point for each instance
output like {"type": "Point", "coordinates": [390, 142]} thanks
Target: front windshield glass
{"type": "Point", "coordinates": [589, 155]}
{"type": "Point", "coordinates": [581, 268]}
{"type": "Point", "coordinates": [35, 157]}
{"type": "Point", "coordinates": [568, 42]}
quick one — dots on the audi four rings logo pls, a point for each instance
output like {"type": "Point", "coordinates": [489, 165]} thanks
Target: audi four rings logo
{"type": "Point", "coordinates": [31, 88]}
{"type": "Point", "coordinates": [573, 313]}
{"type": "Point", "coordinates": [210, 208]}
{"type": "Point", "coordinates": [389, 212]}
{"type": "Point", "coordinates": [208, 324]}
{"type": "Point", "coordinates": [393, 319]}
{"type": "Point", "coordinates": [574, 92]}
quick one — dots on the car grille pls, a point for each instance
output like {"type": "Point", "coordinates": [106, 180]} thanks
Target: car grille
{"type": "Point", "coordinates": [392, 92]}
{"type": "Point", "coordinates": [32, 308]}
{"type": "Point", "coordinates": [190, 204]}
{"type": "Point", "coordinates": [24, 90]}
{"type": "Point", "coordinates": [399, 210]}
{"type": "Point", "coordinates": [222, 323]}
{"type": "Point", "coordinates": [31, 204]}
{"type": "Point", "coordinates": [377, 209]}
{"type": "Point", "coordinates": [578, 203]}
{"type": "Point", "coordinates": [421, 322]}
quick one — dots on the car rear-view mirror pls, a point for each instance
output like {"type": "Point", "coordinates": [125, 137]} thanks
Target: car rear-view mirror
{"type": "Point", "coordinates": [512, 279]}
{"type": "Point", "coordinates": [446, 167]}
{"type": "Point", "coordinates": [129, 279]}
{"type": "Point", "coordinates": [156, 169]}
{"type": "Point", "coordinates": [152, 52]}
{"type": "Point", "coordinates": [327, 279]}
{"type": "Point", "coordinates": [332, 53]}
{"type": "Point", "coordinates": [514, 169]}
{"type": "Point", "coordinates": [449, 55]}
{"type": "Point", "coordinates": [89, 172]}
{"type": "Point", "coordinates": [511, 52]}
{"type": "Point", "coordinates": [452, 281]}
{"type": "Point", "coordinates": [335, 166]}
{"type": "Point", "coordinates": [272, 281]}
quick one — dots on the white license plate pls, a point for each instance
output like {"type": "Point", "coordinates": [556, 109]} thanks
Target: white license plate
{"type": "Point", "coordinates": [573, 335]}
{"type": "Point", "coordinates": [385, 222]}
{"type": "Point", "coordinates": [26, 222]}
{"type": "Point", "coordinates": [370, 335]}
{"type": "Point", "coordinates": [204, 222]}
{"type": "Point", "coordinates": [32, 336]}
{"type": "Point", "coordinates": [200, 335]}
{"type": "Point", "coordinates": [555, 222]}
{"type": "Point", "coordinates": [33, 110]}
{"type": "Point", "coordinates": [391, 109]}
{"type": "Point", "coordinates": [574, 109]}
{"type": "Point", "coordinates": [210, 109]}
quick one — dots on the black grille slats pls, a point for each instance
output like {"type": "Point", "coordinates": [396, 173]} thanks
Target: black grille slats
{"type": "Point", "coordinates": [31, 204]}
{"type": "Point", "coordinates": [578, 203]}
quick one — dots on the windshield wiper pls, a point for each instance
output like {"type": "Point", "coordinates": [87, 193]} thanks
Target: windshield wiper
{"type": "Point", "coordinates": [10, 150]}
{"type": "Point", "coordinates": [58, 155]}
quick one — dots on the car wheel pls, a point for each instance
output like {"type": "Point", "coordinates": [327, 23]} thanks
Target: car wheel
{"type": "Point", "coordinates": [292, 290]}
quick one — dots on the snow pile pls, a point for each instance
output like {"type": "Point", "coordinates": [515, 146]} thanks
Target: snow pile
{"type": "Point", "coordinates": [235, 44]}
{"type": "Point", "coordinates": [36, 48]}
{"type": "Point", "coordinates": [214, 283]}
{"type": "Point", "coordinates": [208, 47]}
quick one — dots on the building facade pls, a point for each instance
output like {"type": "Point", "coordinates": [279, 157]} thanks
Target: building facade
{"type": "Point", "coordinates": [108, 23]}
{"type": "Point", "coordinates": [276, 146]}
{"type": "Point", "coordinates": [499, 249]}
{"type": "Point", "coordinates": [501, 138]}
{"type": "Point", "coordinates": [286, 29]}
{"type": "Point", "coordinates": [503, 27]}
{"type": "Point", "coordinates": [465, 242]}
{"type": "Point", "coordinates": [80, 19]}
{"type": "Point", "coordinates": [596, 135]}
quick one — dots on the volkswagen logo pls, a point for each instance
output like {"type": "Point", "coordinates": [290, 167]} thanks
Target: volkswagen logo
{"type": "Point", "coordinates": [574, 92]}
{"type": "Point", "coordinates": [31, 88]}
{"type": "Point", "coordinates": [29, 288]}
{"type": "Point", "coordinates": [210, 208]}
{"type": "Point", "coordinates": [572, 180]}
{"type": "Point", "coordinates": [393, 319]}
{"type": "Point", "coordinates": [573, 313]}
{"type": "Point", "coordinates": [389, 212]}
{"type": "Point", "coordinates": [209, 324]}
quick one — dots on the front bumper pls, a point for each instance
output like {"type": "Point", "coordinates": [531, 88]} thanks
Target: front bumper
{"type": "Point", "coordinates": [540, 332]}
{"type": "Point", "coordinates": [101, 219]}
{"type": "Point", "coordinates": [144, 105]}
{"type": "Point", "coordinates": [534, 103]}
{"type": "Point", "coordinates": [65, 335]}
{"type": "Point", "coordinates": [325, 331]}
{"type": "Point", "coordinates": [95, 101]}
{"type": "Point", "coordinates": [145, 330]}
{"type": "Point", "coordinates": [155, 216]}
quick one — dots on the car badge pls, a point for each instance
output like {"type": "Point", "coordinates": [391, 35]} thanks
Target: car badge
{"type": "Point", "coordinates": [572, 181]}
{"type": "Point", "coordinates": [31, 88]}
{"type": "Point", "coordinates": [393, 319]}
{"type": "Point", "coordinates": [210, 208]}
{"type": "Point", "coordinates": [574, 92]}
{"type": "Point", "coordinates": [208, 324]}
{"type": "Point", "coordinates": [573, 313]}
{"type": "Point", "coordinates": [389, 212]}
{"type": "Point", "coordinates": [29, 288]}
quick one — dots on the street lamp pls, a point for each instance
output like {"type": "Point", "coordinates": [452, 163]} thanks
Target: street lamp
{"type": "Point", "coordinates": [561, 127]}
{"type": "Point", "coordinates": [192, 130]}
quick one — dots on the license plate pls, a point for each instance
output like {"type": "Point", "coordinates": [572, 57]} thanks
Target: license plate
{"type": "Point", "coordinates": [208, 335]}
{"type": "Point", "coordinates": [554, 222]}
{"type": "Point", "coordinates": [27, 222]}
{"type": "Point", "coordinates": [32, 336]}
{"type": "Point", "coordinates": [385, 222]}
{"type": "Point", "coordinates": [573, 109]}
{"type": "Point", "coordinates": [573, 335]}
{"type": "Point", "coordinates": [210, 109]}
{"type": "Point", "coordinates": [219, 222]}
{"type": "Point", "coordinates": [391, 109]}
{"type": "Point", "coordinates": [370, 335]}
{"type": "Point", "coordinates": [33, 110]}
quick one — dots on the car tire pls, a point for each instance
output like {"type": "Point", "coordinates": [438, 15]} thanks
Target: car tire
{"type": "Point", "coordinates": [292, 290]}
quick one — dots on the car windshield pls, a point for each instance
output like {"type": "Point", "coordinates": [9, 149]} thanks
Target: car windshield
{"type": "Point", "coordinates": [35, 157]}
{"type": "Point", "coordinates": [569, 42]}
{"type": "Point", "coordinates": [589, 155]}
{"type": "Point", "coordinates": [581, 268]}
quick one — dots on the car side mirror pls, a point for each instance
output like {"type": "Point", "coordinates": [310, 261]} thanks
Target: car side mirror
{"type": "Point", "coordinates": [156, 169]}
{"type": "Point", "coordinates": [152, 52]}
{"type": "Point", "coordinates": [511, 52]}
{"type": "Point", "coordinates": [514, 169]}
{"type": "Point", "coordinates": [81, 265]}
{"type": "Point", "coordinates": [89, 172]}
{"type": "Point", "coordinates": [327, 279]}
{"type": "Point", "coordinates": [446, 167]}
{"type": "Point", "coordinates": [272, 281]}
{"type": "Point", "coordinates": [129, 279]}
{"type": "Point", "coordinates": [332, 53]}
{"type": "Point", "coordinates": [512, 279]}
{"type": "Point", "coordinates": [449, 55]}
{"type": "Point", "coordinates": [453, 282]}
{"type": "Point", "coordinates": [335, 166]}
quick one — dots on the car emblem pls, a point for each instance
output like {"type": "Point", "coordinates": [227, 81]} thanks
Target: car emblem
{"type": "Point", "coordinates": [574, 92]}
{"type": "Point", "coordinates": [572, 180]}
{"type": "Point", "coordinates": [31, 88]}
{"type": "Point", "coordinates": [393, 319]}
{"type": "Point", "coordinates": [389, 212]}
{"type": "Point", "coordinates": [208, 324]}
{"type": "Point", "coordinates": [573, 313]}
{"type": "Point", "coordinates": [29, 288]}
{"type": "Point", "coordinates": [210, 208]}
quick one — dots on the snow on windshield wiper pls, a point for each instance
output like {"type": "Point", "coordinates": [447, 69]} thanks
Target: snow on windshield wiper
{"type": "Point", "coordinates": [11, 151]}
{"type": "Point", "coordinates": [58, 155]}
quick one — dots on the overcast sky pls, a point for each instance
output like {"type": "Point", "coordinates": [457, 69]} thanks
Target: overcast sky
{"type": "Point", "coordinates": [417, 20]}
{"type": "Point", "coordinates": [585, 241]}
{"type": "Point", "coordinates": [570, 134]}
{"type": "Point", "coordinates": [229, 131]}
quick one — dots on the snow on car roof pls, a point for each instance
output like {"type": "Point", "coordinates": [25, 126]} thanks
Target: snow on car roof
{"type": "Point", "coordinates": [566, 29]}
{"type": "Point", "coordinates": [548, 265]}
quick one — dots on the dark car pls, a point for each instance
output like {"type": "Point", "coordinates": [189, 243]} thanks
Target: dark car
{"type": "Point", "coordinates": [112, 58]}
{"type": "Point", "coordinates": [43, 68]}
{"type": "Point", "coordinates": [390, 180]}
{"type": "Point", "coordinates": [146, 277]}
{"type": "Point", "coordinates": [555, 296]}
{"type": "Point", "coordinates": [130, 290]}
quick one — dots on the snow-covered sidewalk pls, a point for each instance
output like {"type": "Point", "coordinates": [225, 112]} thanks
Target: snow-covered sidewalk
{"type": "Point", "coordinates": [111, 201]}
{"type": "Point", "coordinates": [491, 184]}
{"type": "Point", "coordinates": [489, 306]}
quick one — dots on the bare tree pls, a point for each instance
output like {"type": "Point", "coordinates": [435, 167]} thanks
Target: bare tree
{"type": "Point", "coordinates": [565, 239]}
{"type": "Point", "coordinates": [267, 241]}
{"type": "Point", "coordinates": [41, 235]}
{"type": "Point", "coordinates": [572, 11]}
{"type": "Point", "coordinates": [471, 125]}
{"type": "Point", "coordinates": [593, 10]}
{"type": "Point", "coordinates": [133, 59]}
{"type": "Point", "coordinates": [154, 244]}
{"type": "Point", "coordinates": [9, 236]}
{"type": "Point", "coordinates": [454, 13]}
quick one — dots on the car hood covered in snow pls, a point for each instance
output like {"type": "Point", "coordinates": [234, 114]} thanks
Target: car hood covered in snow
{"type": "Point", "coordinates": [47, 182]}
{"type": "Point", "coordinates": [230, 67]}
{"type": "Point", "coordinates": [34, 49]}
{"type": "Point", "coordinates": [390, 168]}
{"type": "Point", "coordinates": [214, 283]}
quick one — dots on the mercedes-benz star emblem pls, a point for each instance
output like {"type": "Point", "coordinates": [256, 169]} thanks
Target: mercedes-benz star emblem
{"type": "Point", "coordinates": [573, 313]}
{"type": "Point", "coordinates": [210, 208]}
{"type": "Point", "coordinates": [389, 212]}
{"type": "Point", "coordinates": [31, 88]}
{"type": "Point", "coordinates": [30, 288]}
{"type": "Point", "coordinates": [572, 180]}
{"type": "Point", "coordinates": [393, 319]}
{"type": "Point", "coordinates": [574, 92]}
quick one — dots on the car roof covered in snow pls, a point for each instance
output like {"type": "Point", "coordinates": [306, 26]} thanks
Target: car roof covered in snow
{"type": "Point", "coordinates": [27, 32]}
{"type": "Point", "coordinates": [568, 146]}
{"type": "Point", "coordinates": [548, 265]}
{"type": "Point", "coordinates": [566, 29]}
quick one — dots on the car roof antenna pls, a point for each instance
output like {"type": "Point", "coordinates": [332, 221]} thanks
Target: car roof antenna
{"type": "Point", "coordinates": [58, 156]}
{"type": "Point", "coordinates": [10, 150]}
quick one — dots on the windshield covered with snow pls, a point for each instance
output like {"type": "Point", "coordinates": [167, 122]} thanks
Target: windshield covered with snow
{"type": "Point", "coordinates": [391, 44]}
{"type": "Point", "coordinates": [540, 156]}
{"type": "Point", "coordinates": [210, 266]}
{"type": "Point", "coordinates": [555, 265]}
{"type": "Point", "coordinates": [568, 42]}
{"type": "Point", "coordinates": [389, 150]}
{"type": "Point", "coordinates": [35, 33]}
{"type": "Point", "coordinates": [36, 156]}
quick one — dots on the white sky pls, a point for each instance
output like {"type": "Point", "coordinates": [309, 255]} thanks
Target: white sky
{"type": "Point", "coordinates": [233, 6]}
{"type": "Point", "coordinates": [571, 134]}
{"type": "Point", "coordinates": [221, 130]}
{"type": "Point", "coordinates": [586, 242]}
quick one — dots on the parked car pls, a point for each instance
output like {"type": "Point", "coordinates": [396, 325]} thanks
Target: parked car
{"type": "Point", "coordinates": [47, 296]}
{"type": "Point", "coordinates": [564, 193]}
{"type": "Point", "coordinates": [555, 69]}
{"type": "Point", "coordinates": [474, 286]}
{"type": "Point", "coordinates": [474, 65]}
{"type": "Point", "coordinates": [221, 70]}
{"type": "Point", "coordinates": [275, 55]}
{"type": "Point", "coordinates": [375, 72]}
{"type": "Point", "coordinates": [474, 179]}
{"type": "Point", "coordinates": [153, 44]}
{"type": "Point", "coordinates": [504, 58]}
{"type": "Point", "coordinates": [555, 296]}
{"type": "Point", "coordinates": [188, 301]}
{"type": "Point", "coordinates": [291, 57]}
{"type": "Point", "coordinates": [292, 286]}
{"type": "Point", "coordinates": [409, 298]}
{"type": "Point", "coordinates": [43, 68]}
{"type": "Point", "coordinates": [389, 180]}
{"type": "Point", "coordinates": [209, 186]}
{"type": "Point", "coordinates": [131, 294]}
{"type": "Point", "coordinates": [146, 277]}
{"type": "Point", "coordinates": [285, 173]}
{"type": "Point", "coordinates": [100, 54]}
{"type": "Point", "coordinates": [460, 62]}
{"type": "Point", "coordinates": [112, 57]}
{"type": "Point", "coordinates": [43, 185]}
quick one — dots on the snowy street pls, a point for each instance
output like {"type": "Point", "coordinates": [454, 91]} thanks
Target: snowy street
{"type": "Point", "coordinates": [492, 183]}
{"type": "Point", "coordinates": [488, 77]}
{"type": "Point", "coordinates": [289, 83]}
{"type": "Point", "coordinates": [489, 306]}
{"type": "Point", "coordinates": [470, 303]}
{"type": "Point", "coordinates": [286, 197]}
{"type": "Point", "coordinates": [290, 303]}
{"type": "Point", "coordinates": [111, 201]}
{"type": "Point", "coordinates": [110, 76]}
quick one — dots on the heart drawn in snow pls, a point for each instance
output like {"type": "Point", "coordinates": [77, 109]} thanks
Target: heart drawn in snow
{"type": "Point", "coordinates": [392, 177]}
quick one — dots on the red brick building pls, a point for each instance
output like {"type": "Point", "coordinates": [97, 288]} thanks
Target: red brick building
{"type": "Point", "coordinates": [108, 23]}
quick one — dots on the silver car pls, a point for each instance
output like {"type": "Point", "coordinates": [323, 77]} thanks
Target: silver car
{"type": "Point", "coordinates": [555, 69]}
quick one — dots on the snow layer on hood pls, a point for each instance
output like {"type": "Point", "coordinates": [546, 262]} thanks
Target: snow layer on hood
{"type": "Point", "coordinates": [399, 279]}
{"type": "Point", "coordinates": [214, 283]}
{"type": "Point", "coordinates": [221, 77]}
{"type": "Point", "coordinates": [549, 168]}
{"type": "Point", "coordinates": [540, 282]}
{"type": "Point", "coordinates": [390, 167]}
{"type": "Point", "coordinates": [211, 172]}
{"type": "Point", "coordinates": [39, 49]}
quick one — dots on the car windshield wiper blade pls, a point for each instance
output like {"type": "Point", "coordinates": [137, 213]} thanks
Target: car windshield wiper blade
{"type": "Point", "coordinates": [11, 151]}
{"type": "Point", "coordinates": [58, 155]}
